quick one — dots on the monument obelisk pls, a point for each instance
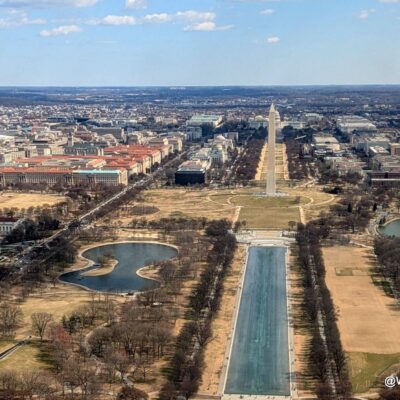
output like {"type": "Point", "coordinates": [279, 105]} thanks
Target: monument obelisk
{"type": "Point", "coordinates": [271, 173]}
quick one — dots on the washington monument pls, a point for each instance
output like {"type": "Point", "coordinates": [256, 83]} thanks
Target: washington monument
{"type": "Point", "coordinates": [271, 173]}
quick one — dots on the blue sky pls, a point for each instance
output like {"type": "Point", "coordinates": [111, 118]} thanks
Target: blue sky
{"type": "Point", "coordinates": [199, 42]}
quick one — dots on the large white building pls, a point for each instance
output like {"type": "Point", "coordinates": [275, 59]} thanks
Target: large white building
{"type": "Point", "coordinates": [354, 123]}
{"type": "Point", "coordinates": [7, 224]}
{"type": "Point", "coordinates": [205, 119]}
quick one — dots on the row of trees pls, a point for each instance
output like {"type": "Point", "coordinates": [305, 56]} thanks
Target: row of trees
{"type": "Point", "coordinates": [387, 250]}
{"type": "Point", "coordinates": [26, 385]}
{"type": "Point", "coordinates": [327, 360]}
{"type": "Point", "coordinates": [10, 318]}
{"type": "Point", "coordinates": [170, 224]}
{"type": "Point", "coordinates": [249, 160]}
{"type": "Point", "coordinates": [186, 365]}
{"type": "Point", "coordinates": [299, 168]}
{"type": "Point", "coordinates": [32, 230]}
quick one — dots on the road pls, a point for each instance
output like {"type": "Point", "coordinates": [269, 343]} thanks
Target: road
{"type": "Point", "coordinates": [25, 257]}
{"type": "Point", "coordinates": [14, 348]}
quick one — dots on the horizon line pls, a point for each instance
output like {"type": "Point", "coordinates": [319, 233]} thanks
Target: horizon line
{"type": "Point", "coordinates": [202, 86]}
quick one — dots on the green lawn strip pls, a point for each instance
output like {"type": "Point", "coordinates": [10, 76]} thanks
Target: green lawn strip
{"type": "Point", "coordinates": [273, 218]}
{"type": "Point", "coordinates": [368, 370]}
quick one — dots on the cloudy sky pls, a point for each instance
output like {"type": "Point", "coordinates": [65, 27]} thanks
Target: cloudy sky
{"type": "Point", "coordinates": [199, 42]}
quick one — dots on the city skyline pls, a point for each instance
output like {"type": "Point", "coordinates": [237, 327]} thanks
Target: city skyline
{"type": "Point", "coordinates": [215, 42]}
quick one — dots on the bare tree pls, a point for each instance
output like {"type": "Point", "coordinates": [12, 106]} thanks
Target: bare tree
{"type": "Point", "coordinates": [10, 317]}
{"type": "Point", "coordinates": [35, 383]}
{"type": "Point", "coordinates": [8, 383]}
{"type": "Point", "coordinates": [40, 322]}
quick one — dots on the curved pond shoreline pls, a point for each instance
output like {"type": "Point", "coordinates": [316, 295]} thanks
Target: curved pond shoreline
{"type": "Point", "coordinates": [132, 258]}
{"type": "Point", "coordinates": [390, 228]}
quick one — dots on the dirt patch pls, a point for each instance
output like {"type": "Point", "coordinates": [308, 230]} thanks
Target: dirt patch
{"type": "Point", "coordinates": [301, 330]}
{"type": "Point", "coordinates": [368, 319]}
{"type": "Point", "coordinates": [214, 354]}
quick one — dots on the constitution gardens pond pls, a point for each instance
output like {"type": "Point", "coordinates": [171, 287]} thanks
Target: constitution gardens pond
{"type": "Point", "coordinates": [130, 257]}
{"type": "Point", "coordinates": [391, 228]}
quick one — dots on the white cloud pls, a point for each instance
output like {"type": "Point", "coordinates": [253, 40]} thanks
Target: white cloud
{"type": "Point", "coordinates": [256, 1]}
{"type": "Point", "coordinates": [364, 14]}
{"type": "Point", "coordinates": [157, 18]}
{"type": "Point", "coordinates": [113, 20]}
{"type": "Point", "coordinates": [191, 15]}
{"type": "Point", "coordinates": [196, 20]}
{"type": "Point", "coordinates": [61, 30]}
{"type": "Point", "coordinates": [206, 26]}
{"type": "Point", "coordinates": [135, 3]}
{"type": "Point", "coordinates": [22, 19]}
{"type": "Point", "coordinates": [268, 11]}
{"type": "Point", "coordinates": [47, 3]}
{"type": "Point", "coordinates": [273, 40]}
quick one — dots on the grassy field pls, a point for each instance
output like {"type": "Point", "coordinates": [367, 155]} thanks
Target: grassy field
{"type": "Point", "coordinates": [258, 212]}
{"type": "Point", "coordinates": [262, 212]}
{"type": "Point", "coordinates": [182, 202]}
{"type": "Point", "coordinates": [59, 300]}
{"type": "Point", "coordinates": [26, 200]}
{"type": "Point", "coordinates": [269, 218]}
{"type": "Point", "coordinates": [27, 358]}
{"type": "Point", "coordinates": [255, 201]}
{"type": "Point", "coordinates": [280, 163]}
{"type": "Point", "coordinates": [369, 320]}
{"type": "Point", "coordinates": [5, 344]}
{"type": "Point", "coordinates": [368, 370]}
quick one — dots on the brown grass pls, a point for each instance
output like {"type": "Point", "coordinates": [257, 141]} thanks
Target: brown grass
{"type": "Point", "coordinates": [369, 320]}
{"type": "Point", "coordinates": [222, 323]}
{"type": "Point", "coordinates": [59, 300]}
{"type": "Point", "coordinates": [302, 334]}
{"type": "Point", "coordinates": [181, 202]}
{"type": "Point", "coordinates": [26, 358]}
{"type": "Point", "coordinates": [26, 200]}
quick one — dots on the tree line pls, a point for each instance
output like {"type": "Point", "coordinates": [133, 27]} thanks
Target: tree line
{"type": "Point", "coordinates": [186, 365]}
{"type": "Point", "coordinates": [326, 358]}
{"type": "Point", "coordinates": [387, 250]}
{"type": "Point", "coordinates": [29, 229]}
{"type": "Point", "coordinates": [249, 160]}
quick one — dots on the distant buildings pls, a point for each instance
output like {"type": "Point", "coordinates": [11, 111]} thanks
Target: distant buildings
{"type": "Point", "coordinates": [354, 123]}
{"type": "Point", "coordinates": [324, 144]}
{"type": "Point", "coordinates": [395, 149]}
{"type": "Point", "coordinates": [215, 152]}
{"type": "Point", "coordinates": [258, 122]}
{"type": "Point", "coordinates": [88, 164]}
{"type": "Point", "coordinates": [205, 119]}
{"type": "Point", "coordinates": [7, 224]}
{"type": "Point", "coordinates": [192, 172]}
{"type": "Point", "coordinates": [384, 179]}
{"type": "Point", "coordinates": [66, 177]}
{"type": "Point", "coordinates": [194, 133]}
{"type": "Point", "coordinates": [365, 142]}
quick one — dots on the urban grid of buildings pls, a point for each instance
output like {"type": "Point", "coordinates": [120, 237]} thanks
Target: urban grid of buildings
{"type": "Point", "coordinates": [95, 143]}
